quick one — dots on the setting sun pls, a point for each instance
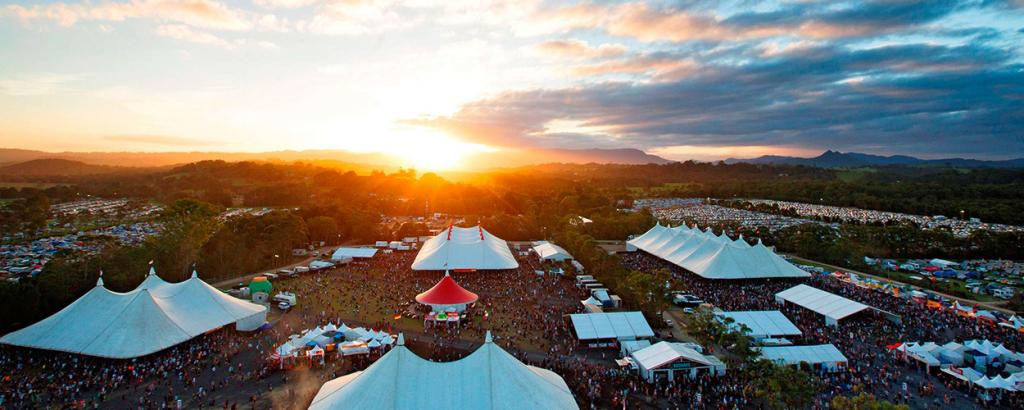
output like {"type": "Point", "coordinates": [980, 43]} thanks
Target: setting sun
{"type": "Point", "coordinates": [427, 149]}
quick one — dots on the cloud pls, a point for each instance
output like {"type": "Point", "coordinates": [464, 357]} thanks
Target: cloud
{"type": "Point", "coordinates": [656, 66]}
{"type": "Point", "coordinates": [35, 85]}
{"type": "Point", "coordinates": [580, 49]}
{"type": "Point", "coordinates": [357, 17]}
{"type": "Point", "coordinates": [160, 140]}
{"type": "Point", "coordinates": [285, 4]}
{"type": "Point", "coordinates": [916, 98]}
{"type": "Point", "coordinates": [805, 19]}
{"type": "Point", "coordinates": [208, 14]}
{"type": "Point", "coordinates": [186, 33]}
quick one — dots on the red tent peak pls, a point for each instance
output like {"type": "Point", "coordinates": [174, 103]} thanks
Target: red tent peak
{"type": "Point", "coordinates": [447, 292]}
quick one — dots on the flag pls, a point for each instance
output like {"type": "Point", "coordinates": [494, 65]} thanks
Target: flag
{"type": "Point", "coordinates": [487, 314]}
{"type": "Point", "coordinates": [150, 262]}
{"type": "Point", "coordinates": [101, 273]}
{"type": "Point", "coordinates": [397, 316]}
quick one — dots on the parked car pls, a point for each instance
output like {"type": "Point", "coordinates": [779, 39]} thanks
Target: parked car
{"type": "Point", "coordinates": [686, 300]}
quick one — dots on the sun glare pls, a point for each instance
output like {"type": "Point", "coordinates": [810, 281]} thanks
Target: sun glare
{"type": "Point", "coordinates": [431, 150]}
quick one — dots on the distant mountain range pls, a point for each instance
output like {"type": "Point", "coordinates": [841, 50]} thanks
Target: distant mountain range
{"type": "Point", "coordinates": [479, 161]}
{"type": "Point", "coordinates": [836, 159]}
{"type": "Point", "coordinates": [58, 167]}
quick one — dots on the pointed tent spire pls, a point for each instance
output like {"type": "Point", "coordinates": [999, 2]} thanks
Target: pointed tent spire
{"type": "Point", "coordinates": [152, 270]}
{"type": "Point", "coordinates": [99, 282]}
{"type": "Point", "coordinates": [488, 338]}
{"type": "Point", "coordinates": [401, 339]}
{"type": "Point", "coordinates": [195, 274]}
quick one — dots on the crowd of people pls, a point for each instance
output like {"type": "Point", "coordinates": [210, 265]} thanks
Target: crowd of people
{"type": "Point", "coordinates": [526, 314]}
{"type": "Point", "coordinates": [862, 338]}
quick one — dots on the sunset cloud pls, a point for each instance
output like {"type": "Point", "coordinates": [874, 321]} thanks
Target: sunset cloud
{"type": "Point", "coordinates": [573, 48]}
{"type": "Point", "coordinates": [810, 20]}
{"type": "Point", "coordinates": [208, 14]}
{"type": "Point", "coordinates": [697, 76]}
{"type": "Point", "coordinates": [801, 99]}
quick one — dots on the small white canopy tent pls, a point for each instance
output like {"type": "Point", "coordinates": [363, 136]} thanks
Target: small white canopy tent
{"type": "Point", "coordinates": [152, 317]}
{"type": "Point", "coordinates": [489, 378]}
{"type": "Point", "coordinates": [458, 248]}
{"type": "Point", "coordinates": [547, 251]}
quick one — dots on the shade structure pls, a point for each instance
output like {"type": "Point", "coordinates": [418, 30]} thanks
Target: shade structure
{"type": "Point", "coordinates": [464, 249]}
{"type": "Point", "coordinates": [489, 378]}
{"type": "Point", "coordinates": [715, 257]}
{"type": "Point", "coordinates": [825, 355]}
{"type": "Point", "coordinates": [613, 325]}
{"type": "Point", "coordinates": [830, 305]}
{"type": "Point", "coordinates": [152, 317]}
{"type": "Point", "coordinates": [446, 292]}
{"type": "Point", "coordinates": [353, 253]}
{"type": "Point", "coordinates": [764, 324]}
{"type": "Point", "coordinates": [548, 251]}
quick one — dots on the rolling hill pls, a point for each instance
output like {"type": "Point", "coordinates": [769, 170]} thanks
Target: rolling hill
{"type": "Point", "coordinates": [481, 161]}
{"type": "Point", "coordinates": [836, 159]}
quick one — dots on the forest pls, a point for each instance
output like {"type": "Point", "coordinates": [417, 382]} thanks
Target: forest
{"type": "Point", "coordinates": [316, 203]}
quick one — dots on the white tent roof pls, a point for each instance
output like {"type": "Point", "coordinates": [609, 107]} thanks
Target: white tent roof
{"type": "Point", "coordinates": [714, 257]}
{"type": "Point", "coordinates": [790, 355]}
{"type": "Point", "coordinates": [464, 248]}
{"type": "Point", "coordinates": [830, 305]}
{"type": "Point", "coordinates": [662, 353]}
{"type": "Point", "coordinates": [345, 253]}
{"type": "Point", "coordinates": [549, 251]}
{"type": "Point", "coordinates": [613, 325]}
{"type": "Point", "coordinates": [152, 317]}
{"type": "Point", "coordinates": [489, 378]}
{"type": "Point", "coordinates": [764, 323]}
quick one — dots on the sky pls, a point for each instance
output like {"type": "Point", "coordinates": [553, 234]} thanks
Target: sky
{"type": "Point", "coordinates": [442, 78]}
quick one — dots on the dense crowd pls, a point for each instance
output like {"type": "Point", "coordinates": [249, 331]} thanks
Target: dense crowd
{"type": "Point", "coordinates": [862, 338]}
{"type": "Point", "coordinates": [526, 313]}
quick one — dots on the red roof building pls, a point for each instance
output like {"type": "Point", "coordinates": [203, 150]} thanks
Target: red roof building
{"type": "Point", "coordinates": [447, 292]}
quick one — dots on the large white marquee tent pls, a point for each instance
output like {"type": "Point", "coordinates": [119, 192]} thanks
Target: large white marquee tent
{"type": "Point", "coordinates": [152, 317]}
{"type": "Point", "coordinates": [489, 378]}
{"type": "Point", "coordinates": [458, 248]}
{"type": "Point", "coordinates": [715, 257]}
